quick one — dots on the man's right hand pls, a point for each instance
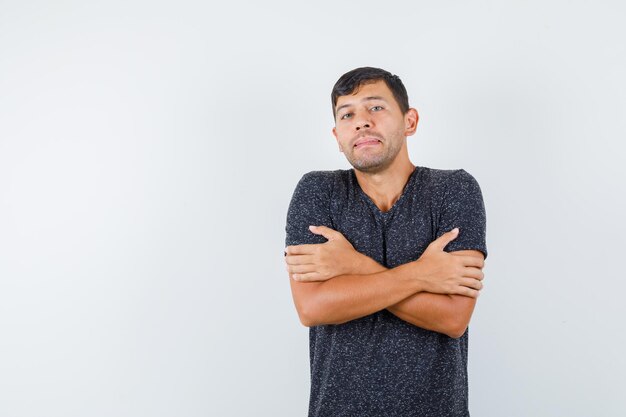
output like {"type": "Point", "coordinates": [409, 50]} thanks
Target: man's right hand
{"type": "Point", "coordinates": [445, 273]}
{"type": "Point", "coordinates": [323, 261]}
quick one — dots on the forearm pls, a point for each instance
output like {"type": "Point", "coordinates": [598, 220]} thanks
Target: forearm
{"type": "Point", "coordinates": [363, 287]}
{"type": "Point", "coordinates": [447, 314]}
{"type": "Point", "coordinates": [349, 297]}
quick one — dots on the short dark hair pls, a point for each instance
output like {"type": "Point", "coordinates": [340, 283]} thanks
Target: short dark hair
{"type": "Point", "coordinates": [351, 81]}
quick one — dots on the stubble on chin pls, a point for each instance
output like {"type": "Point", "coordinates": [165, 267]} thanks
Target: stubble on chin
{"type": "Point", "coordinates": [373, 164]}
{"type": "Point", "coordinates": [370, 164]}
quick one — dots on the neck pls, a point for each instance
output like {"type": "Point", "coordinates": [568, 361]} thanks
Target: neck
{"type": "Point", "coordinates": [386, 187]}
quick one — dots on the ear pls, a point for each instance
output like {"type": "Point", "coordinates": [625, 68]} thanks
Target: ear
{"type": "Point", "coordinates": [410, 122]}
{"type": "Point", "coordinates": [337, 139]}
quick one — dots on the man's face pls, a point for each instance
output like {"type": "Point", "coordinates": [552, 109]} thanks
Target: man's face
{"type": "Point", "coordinates": [370, 127]}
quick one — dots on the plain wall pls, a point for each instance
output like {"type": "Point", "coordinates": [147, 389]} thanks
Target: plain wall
{"type": "Point", "coordinates": [148, 152]}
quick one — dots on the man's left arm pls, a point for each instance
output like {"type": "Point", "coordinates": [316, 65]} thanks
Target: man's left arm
{"type": "Point", "coordinates": [461, 206]}
{"type": "Point", "coordinates": [448, 314]}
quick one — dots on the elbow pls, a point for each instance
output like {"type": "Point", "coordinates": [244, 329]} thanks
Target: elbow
{"type": "Point", "coordinates": [456, 326]}
{"type": "Point", "coordinates": [306, 320]}
{"type": "Point", "coordinates": [312, 314]}
{"type": "Point", "coordinates": [308, 323]}
{"type": "Point", "coordinates": [308, 315]}
{"type": "Point", "coordinates": [456, 332]}
{"type": "Point", "coordinates": [458, 318]}
{"type": "Point", "coordinates": [312, 321]}
{"type": "Point", "coordinates": [318, 309]}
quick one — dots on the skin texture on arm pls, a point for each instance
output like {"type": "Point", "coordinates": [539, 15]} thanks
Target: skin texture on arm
{"type": "Point", "coordinates": [348, 297]}
{"type": "Point", "coordinates": [326, 289]}
{"type": "Point", "coordinates": [444, 313]}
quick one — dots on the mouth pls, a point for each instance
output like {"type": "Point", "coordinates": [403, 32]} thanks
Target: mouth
{"type": "Point", "coordinates": [367, 141]}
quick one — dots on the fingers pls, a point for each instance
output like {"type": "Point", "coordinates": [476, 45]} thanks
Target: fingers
{"type": "Point", "coordinates": [299, 259]}
{"type": "Point", "coordinates": [474, 273]}
{"type": "Point", "coordinates": [307, 277]}
{"type": "Point", "coordinates": [308, 249]}
{"type": "Point", "coordinates": [327, 232]}
{"type": "Point", "coordinates": [469, 287]}
{"type": "Point", "coordinates": [473, 261]}
{"type": "Point", "coordinates": [300, 264]}
{"type": "Point", "coordinates": [469, 260]}
{"type": "Point", "coordinates": [301, 269]}
{"type": "Point", "coordinates": [468, 292]}
{"type": "Point", "coordinates": [305, 249]}
{"type": "Point", "coordinates": [472, 283]}
{"type": "Point", "coordinates": [442, 241]}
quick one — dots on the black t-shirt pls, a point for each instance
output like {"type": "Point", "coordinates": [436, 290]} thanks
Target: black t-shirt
{"type": "Point", "coordinates": [380, 365]}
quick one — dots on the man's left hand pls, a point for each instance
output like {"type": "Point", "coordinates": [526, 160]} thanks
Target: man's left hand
{"type": "Point", "coordinates": [323, 261]}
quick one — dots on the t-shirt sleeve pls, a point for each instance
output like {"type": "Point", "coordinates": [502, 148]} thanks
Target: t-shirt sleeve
{"type": "Point", "coordinates": [310, 206]}
{"type": "Point", "coordinates": [463, 207]}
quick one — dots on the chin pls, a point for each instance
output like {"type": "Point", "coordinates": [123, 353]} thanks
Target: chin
{"type": "Point", "coordinates": [371, 168]}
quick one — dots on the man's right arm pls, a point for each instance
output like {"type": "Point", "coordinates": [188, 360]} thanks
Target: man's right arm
{"type": "Point", "coordinates": [348, 297]}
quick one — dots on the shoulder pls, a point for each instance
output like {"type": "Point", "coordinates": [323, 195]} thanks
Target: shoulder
{"type": "Point", "coordinates": [443, 177]}
{"type": "Point", "coordinates": [441, 181]}
{"type": "Point", "coordinates": [313, 177]}
{"type": "Point", "coordinates": [322, 181]}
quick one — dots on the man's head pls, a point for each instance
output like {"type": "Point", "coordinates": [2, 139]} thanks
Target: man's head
{"type": "Point", "coordinates": [351, 82]}
{"type": "Point", "coordinates": [372, 119]}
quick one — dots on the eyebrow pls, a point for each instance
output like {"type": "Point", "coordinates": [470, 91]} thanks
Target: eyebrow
{"type": "Point", "coordinates": [362, 100]}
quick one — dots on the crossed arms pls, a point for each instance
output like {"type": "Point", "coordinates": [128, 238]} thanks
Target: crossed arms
{"type": "Point", "coordinates": [332, 283]}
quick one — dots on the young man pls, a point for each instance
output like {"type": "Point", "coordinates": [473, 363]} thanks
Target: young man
{"type": "Point", "coordinates": [385, 262]}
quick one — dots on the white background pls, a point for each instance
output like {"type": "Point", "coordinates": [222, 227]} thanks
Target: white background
{"type": "Point", "coordinates": [148, 152]}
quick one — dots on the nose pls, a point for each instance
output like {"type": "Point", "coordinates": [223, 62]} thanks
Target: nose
{"type": "Point", "coordinates": [362, 121]}
{"type": "Point", "coordinates": [363, 125]}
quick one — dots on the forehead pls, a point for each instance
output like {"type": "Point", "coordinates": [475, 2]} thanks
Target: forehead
{"type": "Point", "coordinates": [366, 91]}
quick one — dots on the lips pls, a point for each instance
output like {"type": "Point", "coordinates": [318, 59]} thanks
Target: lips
{"type": "Point", "coordinates": [366, 141]}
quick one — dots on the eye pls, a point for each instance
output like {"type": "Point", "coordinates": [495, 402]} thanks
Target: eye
{"type": "Point", "coordinates": [376, 108]}
{"type": "Point", "coordinates": [346, 116]}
